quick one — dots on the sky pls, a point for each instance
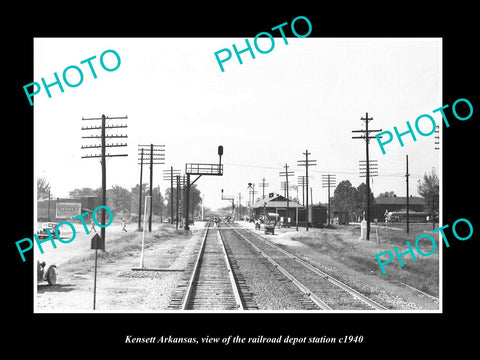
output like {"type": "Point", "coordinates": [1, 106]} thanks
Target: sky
{"type": "Point", "coordinates": [266, 112]}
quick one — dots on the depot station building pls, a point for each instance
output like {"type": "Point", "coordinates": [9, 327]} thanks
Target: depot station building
{"type": "Point", "coordinates": [278, 204]}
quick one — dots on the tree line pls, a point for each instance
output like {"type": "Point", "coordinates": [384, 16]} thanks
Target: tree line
{"type": "Point", "coordinates": [353, 200]}
{"type": "Point", "coordinates": [126, 201]}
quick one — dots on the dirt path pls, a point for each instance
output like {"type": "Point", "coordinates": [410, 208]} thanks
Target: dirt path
{"type": "Point", "coordinates": [119, 288]}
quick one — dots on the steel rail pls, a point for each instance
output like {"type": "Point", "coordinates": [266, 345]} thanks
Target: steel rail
{"type": "Point", "coordinates": [195, 272]}
{"type": "Point", "coordinates": [304, 289]}
{"type": "Point", "coordinates": [326, 276]}
{"type": "Point", "coordinates": [233, 280]}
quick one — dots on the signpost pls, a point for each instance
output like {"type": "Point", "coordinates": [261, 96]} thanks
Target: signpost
{"type": "Point", "coordinates": [97, 243]}
{"type": "Point", "coordinates": [67, 210]}
{"type": "Point", "coordinates": [142, 267]}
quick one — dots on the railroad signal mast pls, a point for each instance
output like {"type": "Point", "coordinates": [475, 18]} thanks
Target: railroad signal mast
{"type": "Point", "coordinates": [155, 155]}
{"type": "Point", "coordinates": [307, 162]}
{"type": "Point", "coordinates": [200, 169]}
{"type": "Point", "coordinates": [366, 136]}
{"type": "Point", "coordinates": [232, 199]}
{"type": "Point", "coordinates": [251, 193]}
{"type": "Point", "coordinates": [329, 181]}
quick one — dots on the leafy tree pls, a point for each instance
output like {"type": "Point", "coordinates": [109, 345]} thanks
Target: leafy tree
{"type": "Point", "coordinates": [344, 197]}
{"type": "Point", "coordinates": [134, 197]}
{"type": "Point", "coordinates": [387, 194]}
{"type": "Point", "coordinates": [43, 188]}
{"type": "Point", "coordinates": [361, 201]}
{"type": "Point", "coordinates": [429, 189]}
{"type": "Point", "coordinates": [195, 199]}
{"type": "Point", "coordinates": [169, 198]}
{"type": "Point", "coordinates": [158, 206]}
{"type": "Point", "coordinates": [119, 199]}
{"type": "Point", "coordinates": [85, 192]}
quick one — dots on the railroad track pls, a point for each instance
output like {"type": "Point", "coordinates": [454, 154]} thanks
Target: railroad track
{"type": "Point", "coordinates": [324, 290]}
{"type": "Point", "coordinates": [213, 283]}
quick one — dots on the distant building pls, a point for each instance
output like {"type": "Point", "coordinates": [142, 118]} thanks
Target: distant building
{"type": "Point", "coordinates": [398, 205]}
{"type": "Point", "coordinates": [47, 208]}
{"type": "Point", "coordinates": [277, 204]}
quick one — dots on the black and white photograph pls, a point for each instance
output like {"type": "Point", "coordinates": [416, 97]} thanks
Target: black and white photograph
{"type": "Point", "coordinates": [264, 165]}
{"type": "Point", "coordinates": [299, 181]}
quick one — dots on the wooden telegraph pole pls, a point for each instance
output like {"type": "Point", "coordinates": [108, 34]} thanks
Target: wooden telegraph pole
{"type": "Point", "coordinates": [307, 162]}
{"type": "Point", "coordinates": [367, 138]}
{"type": "Point", "coordinates": [100, 243]}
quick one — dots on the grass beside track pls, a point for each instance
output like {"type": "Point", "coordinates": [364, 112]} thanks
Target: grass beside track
{"type": "Point", "coordinates": [342, 245]}
{"type": "Point", "coordinates": [120, 244]}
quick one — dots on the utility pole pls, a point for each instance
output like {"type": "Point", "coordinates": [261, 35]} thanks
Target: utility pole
{"type": "Point", "coordinates": [301, 182]}
{"type": "Point", "coordinates": [328, 181]}
{"type": "Point", "coordinates": [160, 201]}
{"type": "Point", "coordinates": [251, 192]}
{"type": "Point", "coordinates": [170, 175]}
{"type": "Point", "coordinates": [178, 194]}
{"type": "Point", "coordinates": [103, 156]}
{"type": "Point", "coordinates": [156, 156]}
{"type": "Point", "coordinates": [287, 173]}
{"type": "Point", "coordinates": [48, 209]}
{"type": "Point", "coordinates": [239, 206]}
{"type": "Point", "coordinates": [306, 163]}
{"type": "Point", "coordinates": [408, 196]}
{"type": "Point", "coordinates": [140, 193]}
{"type": "Point", "coordinates": [263, 185]}
{"type": "Point", "coordinates": [367, 138]}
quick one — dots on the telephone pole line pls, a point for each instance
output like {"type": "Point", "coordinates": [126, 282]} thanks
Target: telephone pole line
{"type": "Point", "coordinates": [366, 136]}
{"type": "Point", "coordinates": [287, 173]}
{"type": "Point", "coordinates": [156, 157]}
{"type": "Point", "coordinates": [263, 185]}
{"type": "Point", "coordinates": [301, 182]}
{"type": "Point", "coordinates": [239, 206]}
{"type": "Point", "coordinates": [329, 181]}
{"type": "Point", "coordinates": [306, 163]}
{"type": "Point", "coordinates": [140, 193]}
{"type": "Point", "coordinates": [170, 175]}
